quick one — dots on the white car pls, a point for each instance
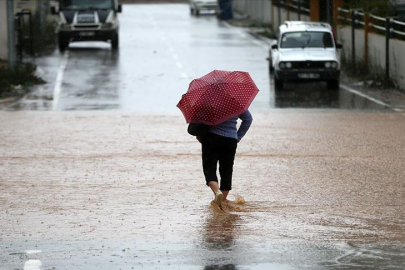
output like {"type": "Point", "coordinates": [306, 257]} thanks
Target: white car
{"type": "Point", "coordinates": [305, 51]}
{"type": "Point", "coordinates": [197, 5]}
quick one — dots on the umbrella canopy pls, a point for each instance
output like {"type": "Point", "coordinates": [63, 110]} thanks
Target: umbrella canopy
{"type": "Point", "coordinates": [217, 97]}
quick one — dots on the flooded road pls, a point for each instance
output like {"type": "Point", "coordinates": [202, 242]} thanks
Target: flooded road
{"type": "Point", "coordinates": [97, 170]}
{"type": "Point", "coordinates": [108, 190]}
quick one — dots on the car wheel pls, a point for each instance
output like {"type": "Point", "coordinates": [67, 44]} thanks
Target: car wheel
{"type": "Point", "coordinates": [197, 12]}
{"type": "Point", "coordinates": [271, 68]}
{"type": "Point", "coordinates": [278, 84]}
{"type": "Point", "coordinates": [191, 11]}
{"type": "Point", "coordinates": [333, 84]}
{"type": "Point", "coordinates": [63, 44]}
{"type": "Point", "coordinates": [115, 42]}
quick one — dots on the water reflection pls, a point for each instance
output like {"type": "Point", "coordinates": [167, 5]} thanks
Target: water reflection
{"type": "Point", "coordinates": [316, 95]}
{"type": "Point", "coordinates": [220, 233]}
{"type": "Point", "coordinates": [220, 229]}
{"type": "Point", "coordinates": [307, 95]}
{"type": "Point", "coordinates": [221, 267]}
{"type": "Point", "coordinates": [94, 78]}
{"type": "Point", "coordinates": [90, 80]}
{"type": "Point", "coordinates": [33, 265]}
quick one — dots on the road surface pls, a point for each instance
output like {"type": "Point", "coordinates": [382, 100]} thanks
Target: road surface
{"type": "Point", "coordinates": [97, 170]}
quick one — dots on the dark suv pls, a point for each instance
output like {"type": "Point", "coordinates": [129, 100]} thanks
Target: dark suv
{"type": "Point", "coordinates": [87, 20]}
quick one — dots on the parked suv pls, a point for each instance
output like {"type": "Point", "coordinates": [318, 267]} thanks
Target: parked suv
{"type": "Point", "coordinates": [87, 20]}
{"type": "Point", "coordinates": [305, 51]}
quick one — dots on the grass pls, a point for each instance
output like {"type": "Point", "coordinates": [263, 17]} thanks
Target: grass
{"type": "Point", "coordinates": [372, 74]}
{"type": "Point", "coordinates": [16, 82]}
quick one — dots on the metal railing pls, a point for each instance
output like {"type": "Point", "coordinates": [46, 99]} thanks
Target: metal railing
{"type": "Point", "coordinates": [388, 27]}
{"type": "Point", "coordinates": [298, 6]}
{"type": "Point", "coordinates": [375, 22]}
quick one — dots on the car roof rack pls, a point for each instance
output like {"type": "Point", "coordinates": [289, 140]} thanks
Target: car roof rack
{"type": "Point", "coordinates": [306, 24]}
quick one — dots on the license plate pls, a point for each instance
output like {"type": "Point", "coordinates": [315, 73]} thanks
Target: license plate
{"type": "Point", "coordinates": [86, 34]}
{"type": "Point", "coordinates": [308, 76]}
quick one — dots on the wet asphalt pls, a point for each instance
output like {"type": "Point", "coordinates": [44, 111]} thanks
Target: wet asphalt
{"type": "Point", "coordinates": [97, 171]}
{"type": "Point", "coordinates": [163, 47]}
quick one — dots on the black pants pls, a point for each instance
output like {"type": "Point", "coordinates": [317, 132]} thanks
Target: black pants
{"type": "Point", "coordinates": [218, 149]}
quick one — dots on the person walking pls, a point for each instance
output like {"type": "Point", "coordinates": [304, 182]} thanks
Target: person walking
{"type": "Point", "coordinates": [225, 9]}
{"type": "Point", "coordinates": [212, 106]}
{"type": "Point", "coordinates": [219, 147]}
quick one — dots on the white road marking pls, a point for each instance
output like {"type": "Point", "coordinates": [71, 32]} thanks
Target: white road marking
{"type": "Point", "coordinates": [179, 65]}
{"type": "Point", "coordinates": [243, 35]}
{"type": "Point", "coordinates": [184, 75]}
{"type": "Point", "coordinates": [59, 79]}
{"type": "Point", "coordinates": [33, 251]}
{"type": "Point", "coordinates": [258, 43]}
{"type": "Point", "coordinates": [379, 102]}
{"type": "Point", "coordinates": [175, 56]}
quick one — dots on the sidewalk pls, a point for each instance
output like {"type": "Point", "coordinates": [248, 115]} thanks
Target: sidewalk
{"type": "Point", "coordinates": [108, 190]}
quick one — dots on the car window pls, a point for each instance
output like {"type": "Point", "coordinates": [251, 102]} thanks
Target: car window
{"type": "Point", "coordinates": [86, 4]}
{"type": "Point", "coordinates": [307, 40]}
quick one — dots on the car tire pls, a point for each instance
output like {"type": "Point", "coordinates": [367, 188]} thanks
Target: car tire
{"type": "Point", "coordinates": [197, 12]}
{"type": "Point", "coordinates": [333, 84]}
{"type": "Point", "coordinates": [271, 68]}
{"type": "Point", "coordinates": [115, 42]}
{"type": "Point", "coordinates": [278, 84]}
{"type": "Point", "coordinates": [63, 45]}
{"type": "Point", "coordinates": [192, 11]}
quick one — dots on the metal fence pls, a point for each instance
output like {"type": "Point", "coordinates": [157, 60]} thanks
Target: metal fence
{"type": "Point", "coordinates": [370, 23]}
{"type": "Point", "coordinates": [301, 7]}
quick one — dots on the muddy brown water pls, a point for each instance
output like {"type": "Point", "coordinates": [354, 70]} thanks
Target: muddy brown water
{"type": "Point", "coordinates": [109, 190]}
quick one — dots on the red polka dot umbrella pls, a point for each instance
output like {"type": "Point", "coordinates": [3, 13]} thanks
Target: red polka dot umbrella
{"type": "Point", "coordinates": [217, 97]}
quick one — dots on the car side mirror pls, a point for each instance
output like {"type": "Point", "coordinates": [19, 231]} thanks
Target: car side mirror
{"type": "Point", "coordinates": [339, 46]}
{"type": "Point", "coordinates": [274, 47]}
{"type": "Point", "coordinates": [119, 10]}
{"type": "Point", "coordinates": [53, 11]}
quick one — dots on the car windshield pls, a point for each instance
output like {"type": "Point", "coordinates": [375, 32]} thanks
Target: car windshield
{"type": "Point", "coordinates": [86, 4]}
{"type": "Point", "coordinates": [307, 40]}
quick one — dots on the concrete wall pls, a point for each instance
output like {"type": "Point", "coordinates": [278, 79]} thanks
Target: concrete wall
{"type": "Point", "coordinates": [376, 49]}
{"type": "Point", "coordinates": [344, 35]}
{"type": "Point", "coordinates": [397, 62]}
{"type": "Point", "coordinates": [3, 30]}
{"type": "Point", "coordinates": [259, 10]}
{"type": "Point", "coordinates": [376, 57]}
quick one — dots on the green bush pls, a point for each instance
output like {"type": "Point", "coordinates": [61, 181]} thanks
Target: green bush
{"type": "Point", "coordinates": [23, 76]}
{"type": "Point", "coordinates": [377, 7]}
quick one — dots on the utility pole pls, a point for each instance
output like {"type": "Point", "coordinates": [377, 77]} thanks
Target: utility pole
{"type": "Point", "coordinates": [11, 35]}
{"type": "Point", "coordinates": [279, 12]}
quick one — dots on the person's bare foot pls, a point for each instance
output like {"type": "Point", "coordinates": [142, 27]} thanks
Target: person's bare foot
{"type": "Point", "coordinates": [218, 198]}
